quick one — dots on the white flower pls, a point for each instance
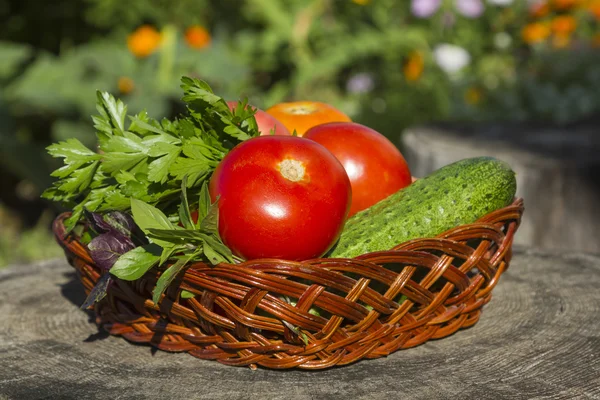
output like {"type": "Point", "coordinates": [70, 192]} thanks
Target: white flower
{"type": "Point", "coordinates": [502, 40]}
{"type": "Point", "coordinates": [501, 2]}
{"type": "Point", "coordinates": [451, 58]}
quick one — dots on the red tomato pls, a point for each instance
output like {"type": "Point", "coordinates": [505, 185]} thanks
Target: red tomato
{"type": "Point", "coordinates": [266, 122]}
{"type": "Point", "coordinates": [280, 197]}
{"type": "Point", "coordinates": [375, 166]}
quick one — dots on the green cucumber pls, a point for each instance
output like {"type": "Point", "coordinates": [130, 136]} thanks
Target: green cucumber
{"type": "Point", "coordinates": [454, 195]}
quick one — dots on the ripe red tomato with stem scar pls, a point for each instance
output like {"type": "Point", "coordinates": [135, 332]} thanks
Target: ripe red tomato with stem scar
{"type": "Point", "coordinates": [280, 197]}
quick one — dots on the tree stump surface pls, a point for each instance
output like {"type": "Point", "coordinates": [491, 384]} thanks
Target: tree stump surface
{"type": "Point", "coordinates": [558, 174]}
{"type": "Point", "coordinates": [538, 338]}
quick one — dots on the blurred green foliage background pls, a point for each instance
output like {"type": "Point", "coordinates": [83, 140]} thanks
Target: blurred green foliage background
{"type": "Point", "coordinates": [388, 64]}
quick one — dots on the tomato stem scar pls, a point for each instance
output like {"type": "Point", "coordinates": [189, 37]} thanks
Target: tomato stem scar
{"type": "Point", "coordinates": [292, 170]}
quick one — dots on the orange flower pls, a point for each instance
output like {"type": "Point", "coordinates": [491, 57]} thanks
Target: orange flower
{"type": "Point", "coordinates": [564, 4]}
{"type": "Point", "coordinates": [143, 41]}
{"type": "Point", "coordinates": [361, 2]}
{"type": "Point", "coordinates": [563, 24]}
{"type": "Point", "coordinates": [125, 85]}
{"type": "Point", "coordinates": [594, 9]}
{"type": "Point", "coordinates": [561, 40]}
{"type": "Point", "coordinates": [413, 68]}
{"type": "Point", "coordinates": [535, 32]}
{"type": "Point", "coordinates": [539, 10]}
{"type": "Point", "coordinates": [473, 96]}
{"type": "Point", "coordinates": [197, 37]}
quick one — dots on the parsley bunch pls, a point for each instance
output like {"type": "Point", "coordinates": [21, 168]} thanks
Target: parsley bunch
{"type": "Point", "coordinates": [145, 159]}
{"type": "Point", "coordinates": [145, 168]}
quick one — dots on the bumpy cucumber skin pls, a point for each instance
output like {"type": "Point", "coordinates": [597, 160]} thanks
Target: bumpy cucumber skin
{"type": "Point", "coordinates": [454, 195]}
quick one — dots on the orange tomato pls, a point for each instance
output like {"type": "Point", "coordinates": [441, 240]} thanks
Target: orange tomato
{"type": "Point", "coordinates": [303, 115]}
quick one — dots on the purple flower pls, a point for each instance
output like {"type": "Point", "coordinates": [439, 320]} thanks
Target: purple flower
{"type": "Point", "coordinates": [360, 83]}
{"type": "Point", "coordinates": [424, 8]}
{"type": "Point", "coordinates": [469, 8]}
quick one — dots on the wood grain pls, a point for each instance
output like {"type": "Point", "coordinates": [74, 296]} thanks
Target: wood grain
{"type": "Point", "coordinates": [538, 338]}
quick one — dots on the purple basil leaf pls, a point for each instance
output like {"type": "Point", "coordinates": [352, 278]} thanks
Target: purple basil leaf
{"type": "Point", "coordinates": [120, 221]}
{"type": "Point", "coordinates": [124, 223]}
{"type": "Point", "coordinates": [98, 292]}
{"type": "Point", "coordinates": [108, 247]}
{"type": "Point", "coordinates": [96, 222]}
{"type": "Point", "coordinates": [117, 222]}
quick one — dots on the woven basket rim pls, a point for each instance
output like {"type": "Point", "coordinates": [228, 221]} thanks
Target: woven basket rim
{"type": "Point", "coordinates": [516, 207]}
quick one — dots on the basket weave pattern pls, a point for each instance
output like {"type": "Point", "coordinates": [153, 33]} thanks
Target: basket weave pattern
{"type": "Point", "coordinates": [370, 306]}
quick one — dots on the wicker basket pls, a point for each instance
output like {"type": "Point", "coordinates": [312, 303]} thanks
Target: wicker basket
{"type": "Point", "coordinates": [370, 306]}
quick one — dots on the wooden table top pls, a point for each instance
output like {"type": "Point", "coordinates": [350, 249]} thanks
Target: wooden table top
{"type": "Point", "coordinates": [538, 338]}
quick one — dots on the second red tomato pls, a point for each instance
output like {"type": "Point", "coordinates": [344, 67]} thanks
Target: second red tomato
{"type": "Point", "coordinates": [375, 166]}
{"type": "Point", "coordinates": [280, 197]}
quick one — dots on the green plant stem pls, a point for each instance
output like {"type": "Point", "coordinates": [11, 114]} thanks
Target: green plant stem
{"type": "Point", "coordinates": [167, 56]}
{"type": "Point", "coordinates": [302, 53]}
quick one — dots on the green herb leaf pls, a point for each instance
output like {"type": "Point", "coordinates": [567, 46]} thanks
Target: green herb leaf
{"type": "Point", "coordinates": [196, 90]}
{"type": "Point", "coordinates": [184, 207]}
{"type": "Point", "coordinates": [79, 180]}
{"type": "Point", "coordinates": [204, 204]}
{"type": "Point", "coordinates": [217, 250]}
{"type": "Point", "coordinates": [148, 217]}
{"type": "Point", "coordinates": [195, 170]}
{"type": "Point", "coordinates": [167, 277]}
{"type": "Point", "coordinates": [159, 168]}
{"type": "Point", "coordinates": [196, 149]}
{"type": "Point", "coordinates": [139, 124]}
{"type": "Point", "coordinates": [124, 144]}
{"type": "Point", "coordinates": [236, 132]}
{"type": "Point", "coordinates": [135, 263]}
{"type": "Point", "coordinates": [112, 113]}
{"type": "Point", "coordinates": [210, 222]}
{"type": "Point", "coordinates": [176, 236]}
{"type": "Point", "coordinates": [213, 255]}
{"type": "Point", "coordinates": [71, 222]}
{"type": "Point", "coordinates": [167, 252]}
{"type": "Point", "coordinates": [75, 155]}
{"type": "Point", "coordinates": [187, 295]}
{"type": "Point", "coordinates": [222, 252]}
{"type": "Point", "coordinates": [161, 145]}
{"type": "Point", "coordinates": [115, 162]}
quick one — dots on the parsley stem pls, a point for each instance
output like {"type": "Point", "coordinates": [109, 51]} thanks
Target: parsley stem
{"type": "Point", "coordinates": [167, 56]}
